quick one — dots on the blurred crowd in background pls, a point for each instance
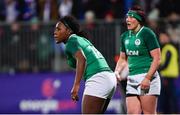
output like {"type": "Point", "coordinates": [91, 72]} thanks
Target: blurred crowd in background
{"type": "Point", "coordinates": [48, 10]}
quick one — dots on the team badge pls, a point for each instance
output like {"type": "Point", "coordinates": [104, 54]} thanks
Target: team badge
{"type": "Point", "coordinates": [137, 42]}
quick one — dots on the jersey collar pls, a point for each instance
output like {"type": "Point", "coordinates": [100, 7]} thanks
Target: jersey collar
{"type": "Point", "coordinates": [131, 32]}
{"type": "Point", "coordinates": [71, 35]}
{"type": "Point", "coordinates": [139, 31]}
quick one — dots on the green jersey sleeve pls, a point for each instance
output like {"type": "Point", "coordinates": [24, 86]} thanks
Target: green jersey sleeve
{"type": "Point", "coordinates": [150, 40]}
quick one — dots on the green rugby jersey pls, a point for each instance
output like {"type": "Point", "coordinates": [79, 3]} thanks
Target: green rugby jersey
{"type": "Point", "coordinates": [95, 62]}
{"type": "Point", "coordinates": [137, 48]}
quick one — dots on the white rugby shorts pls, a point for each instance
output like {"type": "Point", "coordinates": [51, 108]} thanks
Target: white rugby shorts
{"type": "Point", "coordinates": [102, 85]}
{"type": "Point", "coordinates": [133, 85]}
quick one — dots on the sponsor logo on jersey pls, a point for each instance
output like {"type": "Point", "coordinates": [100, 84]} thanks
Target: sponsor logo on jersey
{"type": "Point", "coordinates": [132, 52]}
{"type": "Point", "coordinates": [137, 42]}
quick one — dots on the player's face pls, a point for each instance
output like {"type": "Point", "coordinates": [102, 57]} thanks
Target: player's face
{"type": "Point", "coordinates": [132, 23]}
{"type": "Point", "coordinates": [60, 33]}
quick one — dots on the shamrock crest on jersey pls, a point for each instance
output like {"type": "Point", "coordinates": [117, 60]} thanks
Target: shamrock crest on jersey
{"type": "Point", "coordinates": [137, 42]}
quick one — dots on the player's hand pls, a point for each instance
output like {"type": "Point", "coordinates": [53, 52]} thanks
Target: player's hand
{"type": "Point", "coordinates": [74, 93]}
{"type": "Point", "coordinates": [118, 77]}
{"type": "Point", "coordinates": [145, 84]}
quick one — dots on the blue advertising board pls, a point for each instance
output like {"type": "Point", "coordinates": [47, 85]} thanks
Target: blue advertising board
{"type": "Point", "coordinates": [43, 93]}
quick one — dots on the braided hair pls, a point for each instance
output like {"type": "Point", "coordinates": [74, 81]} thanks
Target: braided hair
{"type": "Point", "coordinates": [71, 23]}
